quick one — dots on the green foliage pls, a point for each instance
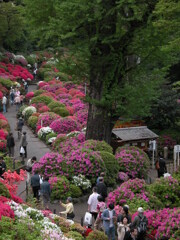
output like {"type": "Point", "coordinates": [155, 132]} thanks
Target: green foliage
{"type": "Point", "coordinates": [61, 111]}
{"type": "Point", "coordinates": [11, 28]}
{"type": "Point", "coordinates": [167, 190]}
{"type": "Point", "coordinates": [42, 99]}
{"type": "Point", "coordinates": [9, 163]}
{"type": "Point", "coordinates": [74, 191]}
{"type": "Point", "coordinates": [98, 146]}
{"type": "Point", "coordinates": [38, 92]}
{"type": "Point", "coordinates": [97, 235]}
{"type": "Point", "coordinates": [112, 167]}
{"type": "Point", "coordinates": [55, 104]}
{"type": "Point", "coordinates": [4, 191]}
{"type": "Point", "coordinates": [6, 83]}
{"type": "Point", "coordinates": [135, 203]}
{"type": "Point", "coordinates": [60, 188]}
{"type": "Point", "coordinates": [57, 142]}
{"type": "Point", "coordinates": [18, 230]}
{"type": "Point", "coordinates": [28, 114]}
{"type": "Point", "coordinates": [50, 135]}
{"type": "Point", "coordinates": [32, 121]}
{"type": "Point", "coordinates": [75, 235]}
{"type": "Point", "coordinates": [176, 175]}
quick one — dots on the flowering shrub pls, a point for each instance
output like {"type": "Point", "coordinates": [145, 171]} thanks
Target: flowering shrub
{"type": "Point", "coordinates": [44, 109]}
{"type": "Point", "coordinates": [167, 190]}
{"type": "Point", "coordinates": [43, 132]}
{"type": "Point", "coordinates": [43, 99]}
{"type": "Point", "coordinates": [163, 223]}
{"type": "Point", "coordinates": [47, 118]}
{"type": "Point", "coordinates": [30, 95]}
{"type": "Point", "coordinates": [32, 121]}
{"type": "Point", "coordinates": [166, 141]}
{"type": "Point", "coordinates": [81, 182]}
{"type": "Point", "coordinates": [123, 177]}
{"type": "Point", "coordinates": [55, 104]}
{"type": "Point", "coordinates": [82, 116]}
{"type": "Point", "coordinates": [31, 108]}
{"type": "Point", "coordinates": [64, 125]}
{"type": "Point", "coordinates": [98, 146]}
{"type": "Point", "coordinates": [50, 136]}
{"type": "Point", "coordinates": [133, 161]}
{"type": "Point", "coordinates": [53, 164]}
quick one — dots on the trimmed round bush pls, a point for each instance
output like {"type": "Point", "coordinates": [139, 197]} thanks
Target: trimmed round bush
{"type": "Point", "coordinates": [112, 167]}
{"type": "Point", "coordinates": [133, 161]}
{"type": "Point", "coordinates": [74, 235]}
{"type": "Point", "coordinates": [6, 83]}
{"type": "Point", "coordinates": [64, 125]}
{"type": "Point", "coordinates": [97, 235]}
{"type": "Point", "coordinates": [59, 187]}
{"type": "Point", "coordinates": [74, 191]}
{"type": "Point", "coordinates": [63, 112]}
{"type": "Point", "coordinates": [38, 92]}
{"type": "Point", "coordinates": [41, 99]}
{"type": "Point", "coordinates": [55, 104]}
{"type": "Point", "coordinates": [50, 135]}
{"type": "Point", "coordinates": [98, 145]}
{"type": "Point", "coordinates": [32, 121]}
{"type": "Point", "coordinates": [47, 118]}
{"type": "Point", "coordinates": [28, 114]}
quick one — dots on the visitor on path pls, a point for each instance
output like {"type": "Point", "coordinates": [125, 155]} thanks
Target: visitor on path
{"type": "Point", "coordinates": [122, 228]}
{"type": "Point", "coordinates": [2, 167]}
{"type": "Point", "coordinates": [21, 100]}
{"type": "Point", "coordinates": [101, 175]}
{"type": "Point", "coordinates": [17, 102]}
{"type": "Point", "coordinates": [161, 166]}
{"type": "Point", "coordinates": [140, 222]}
{"type": "Point", "coordinates": [20, 125]}
{"type": "Point", "coordinates": [109, 218]}
{"type": "Point", "coordinates": [25, 84]}
{"type": "Point", "coordinates": [24, 143]}
{"type": "Point", "coordinates": [124, 213]}
{"type": "Point", "coordinates": [4, 103]}
{"type": "Point", "coordinates": [10, 144]}
{"type": "Point", "coordinates": [29, 166]}
{"type": "Point", "coordinates": [12, 96]}
{"type": "Point", "coordinates": [132, 234]}
{"type": "Point", "coordinates": [101, 206]}
{"type": "Point", "coordinates": [69, 212]}
{"type": "Point", "coordinates": [92, 203]}
{"type": "Point", "coordinates": [35, 184]}
{"type": "Point", "coordinates": [101, 188]}
{"type": "Point", "coordinates": [35, 73]}
{"type": "Point", "coordinates": [16, 92]}
{"type": "Point", "coordinates": [45, 192]}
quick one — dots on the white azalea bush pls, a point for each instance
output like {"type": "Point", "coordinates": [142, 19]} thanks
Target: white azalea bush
{"type": "Point", "coordinates": [81, 182]}
{"type": "Point", "coordinates": [33, 109]}
{"type": "Point", "coordinates": [44, 131]}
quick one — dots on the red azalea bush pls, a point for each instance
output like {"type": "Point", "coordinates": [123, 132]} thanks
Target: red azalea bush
{"type": "Point", "coordinates": [30, 95]}
{"type": "Point", "coordinates": [44, 109]}
{"type": "Point", "coordinates": [5, 210]}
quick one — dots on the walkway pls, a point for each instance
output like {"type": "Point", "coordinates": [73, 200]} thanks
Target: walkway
{"type": "Point", "coordinates": [39, 149]}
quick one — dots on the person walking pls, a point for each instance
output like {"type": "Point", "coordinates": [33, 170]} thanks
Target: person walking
{"type": "Point", "coordinates": [122, 228]}
{"type": "Point", "coordinates": [140, 222]}
{"type": "Point", "coordinates": [69, 212]}
{"type": "Point", "coordinates": [4, 103]}
{"type": "Point", "coordinates": [100, 209]}
{"type": "Point", "coordinates": [17, 101]}
{"type": "Point", "coordinates": [12, 95]}
{"type": "Point", "coordinates": [10, 144]}
{"type": "Point", "coordinates": [2, 167]}
{"type": "Point", "coordinates": [161, 166]}
{"type": "Point", "coordinates": [92, 203]}
{"type": "Point", "coordinates": [124, 213]}
{"type": "Point", "coordinates": [20, 125]}
{"type": "Point", "coordinates": [24, 143]}
{"type": "Point", "coordinates": [29, 166]}
{"type": "Point", "coordinates": [109, 218]}
{"type": "Point", "coordinates": [45, 192]}
{"type": "Point", "coordinates": [101, 188]}
{"type": "Point", "coordinates": [35, 184]}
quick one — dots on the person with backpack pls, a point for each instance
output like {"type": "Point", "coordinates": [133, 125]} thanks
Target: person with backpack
{"type": "Point", "coordinates": [161, 166]}
{"type": "Point", "coordinates": [140, 222]}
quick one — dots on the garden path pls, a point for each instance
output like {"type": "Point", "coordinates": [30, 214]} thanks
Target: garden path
{"type": "Point", "coordinates": [36, 148]}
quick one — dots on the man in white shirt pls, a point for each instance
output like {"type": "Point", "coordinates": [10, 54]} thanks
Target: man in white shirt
{"type": "Point", "coordinates": [92, 203]}
{"type": "Point", "coordinates": [4, 102]}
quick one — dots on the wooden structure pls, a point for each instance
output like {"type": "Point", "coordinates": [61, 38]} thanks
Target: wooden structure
{"type": "Point", "coordinates": [132, 136]}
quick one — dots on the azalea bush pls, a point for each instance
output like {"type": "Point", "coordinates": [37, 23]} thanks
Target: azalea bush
{"type": "Point", "coordinates": [59, 187]}
{"type": "Point", "coordinates": [55, 104]}
{"type": "Point", "coordinates": [112, 167]}
{"type": "Point", "coordinates": [133, 161]}
{"type": "Point", "coordinates": [43, 132]}
{"type": "Point", "coordinates": [96, 145]}
{"type": "Point", "coordinates": [47, 118]}
{"type": "Point", "coordinates": [82, 182]}
{"type": "Point", "coordinates": [43, 99]}
{"type": "Point", "coordinates": [64, 125]}
{"type": "Point", "coordinates": [167, 190]}
{"type": "Point", "coordinates": [32, 121]}
{"type": "Point", "coordinates": [63, 112]}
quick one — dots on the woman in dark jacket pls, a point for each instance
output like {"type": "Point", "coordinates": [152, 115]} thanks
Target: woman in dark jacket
{"type": "Point", "coordinates": [10, 144]}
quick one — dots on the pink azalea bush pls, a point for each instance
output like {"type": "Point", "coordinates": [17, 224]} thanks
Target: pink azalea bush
{"type": "Point", "coordinates": [133, 161]}
{"type": "Point", "coordinates": [163, 223]}
{"type": "Point", "coordinates": [47, 118]}
{"type": "Point", "coordinates": [29, 95]}
{"type": "Point", "coordinates": [64, 125]}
